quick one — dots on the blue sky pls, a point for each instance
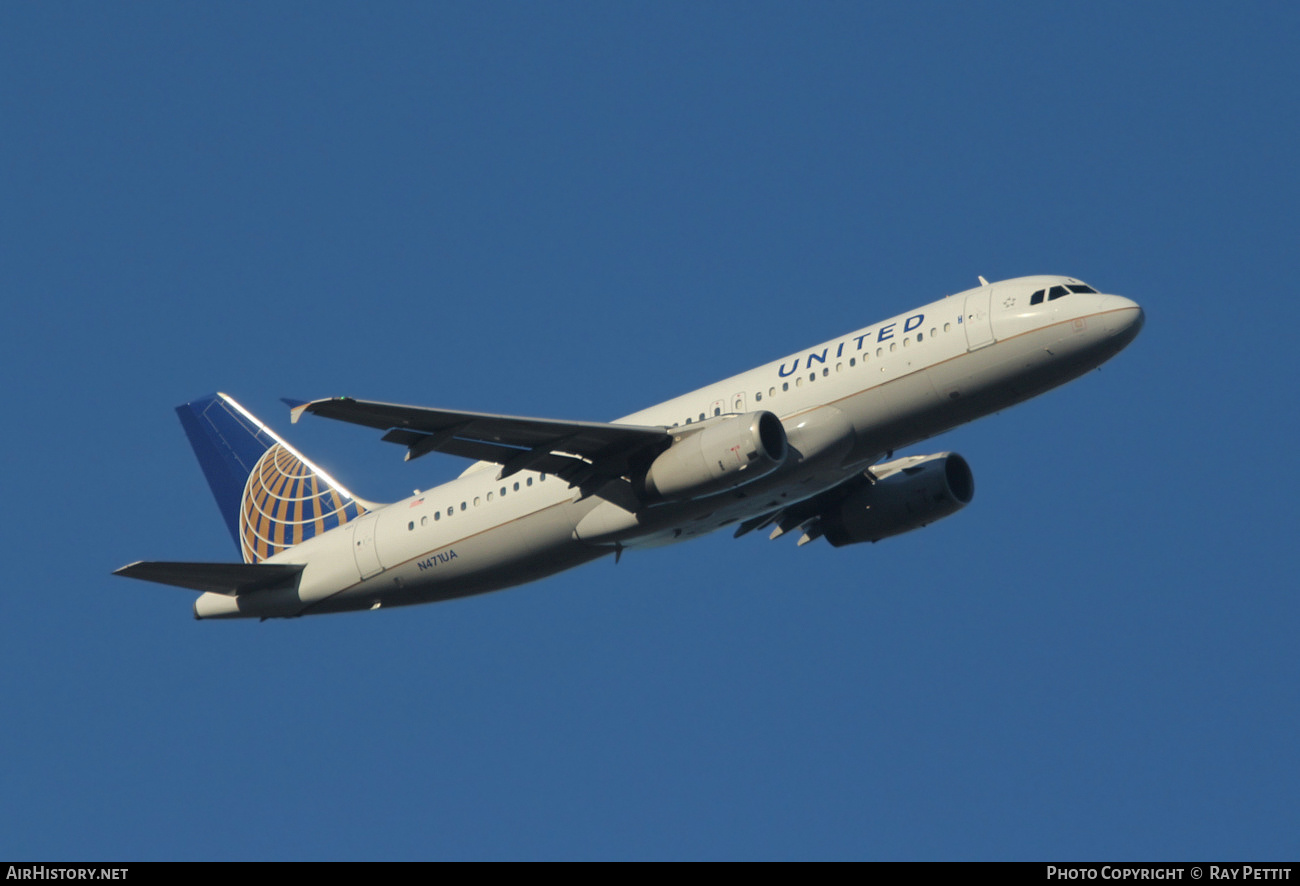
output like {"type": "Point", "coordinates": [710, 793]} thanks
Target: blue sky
{"type": "Point", "coordinates": [579, 209]}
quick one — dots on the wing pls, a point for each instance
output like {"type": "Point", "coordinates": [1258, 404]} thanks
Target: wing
{"type": "Point", "coordinates": [586, 454]}
{"type": "Point", "coordinates": [219, 578]}
{"type": "Point", "coordinates": [806, 514]}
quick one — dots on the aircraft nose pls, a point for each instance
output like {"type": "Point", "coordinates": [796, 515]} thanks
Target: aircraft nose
{"type": "Point", "coordinates": [1123, 316]}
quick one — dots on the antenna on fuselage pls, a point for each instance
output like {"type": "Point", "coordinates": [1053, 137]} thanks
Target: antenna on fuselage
{"type": "Point", "coordinates": [983, 282]}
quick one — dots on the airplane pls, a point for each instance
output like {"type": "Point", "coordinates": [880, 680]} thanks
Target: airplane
{"type": "Point", "coordinates": [795, 445]}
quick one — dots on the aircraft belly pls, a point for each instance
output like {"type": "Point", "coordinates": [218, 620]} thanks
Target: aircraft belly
{"type": "Point", "coordinates": [522, 550]}
{"type": "Point", "coordinates": [924, 403]}
{"type": "Point", "coordinates": [886, 413]}
{"type": "Point", "coordinates": [1014, 370]}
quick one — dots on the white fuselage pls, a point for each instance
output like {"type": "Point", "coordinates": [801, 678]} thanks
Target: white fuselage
{"type": "Point", "coordinates": [844, 404]}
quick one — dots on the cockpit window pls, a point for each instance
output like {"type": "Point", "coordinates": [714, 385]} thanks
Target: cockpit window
{"type": "Point", "coordinates": [1057, 291]}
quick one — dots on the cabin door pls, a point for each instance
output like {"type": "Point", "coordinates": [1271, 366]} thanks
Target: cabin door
{"type": "Point", "coordinates": [363, 546]}
{"type": "Point", "coordinates": [978, 319]}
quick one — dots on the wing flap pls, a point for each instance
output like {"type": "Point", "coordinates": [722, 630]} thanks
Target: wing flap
{"type": "Point", "coordinates": [231, 579]}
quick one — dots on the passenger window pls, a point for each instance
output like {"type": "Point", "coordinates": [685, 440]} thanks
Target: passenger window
{"type": "Point", "coordinates": [947, 327]}
{"type": "Point", "coordinates": [758, 397]}
{"type": "Point", "coordinates": [785, 386]}
{"type": "Point", "coordinates": [410, 526]}
{"type": "Point", "coordinates": [489, 496]}
{"type": "Point", "coordinates": [476, 501]}
{"type": "Point", "coordinates": [516, 486]}
{"type": "Point", "coordinates": [437, 515]}
{"type": "Point", "coordinates": [464, 505]}
{"type": "Point", "coordinates": [530, 481]}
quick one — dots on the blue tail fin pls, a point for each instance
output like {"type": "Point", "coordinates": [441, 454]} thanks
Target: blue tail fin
{"type": "Point", "coordinates": [271, 497]}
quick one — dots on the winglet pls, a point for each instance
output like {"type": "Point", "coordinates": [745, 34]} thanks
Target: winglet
{"type": "Point", "coordinates": [296, 408]}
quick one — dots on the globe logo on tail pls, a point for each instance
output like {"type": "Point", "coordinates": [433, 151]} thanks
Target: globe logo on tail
{"type": "Point", "coordinates": [286, 502]}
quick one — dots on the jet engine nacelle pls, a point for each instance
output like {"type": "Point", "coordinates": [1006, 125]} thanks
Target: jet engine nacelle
{"type": "Point", "coordinates": [910, 493]}
{"type": "Point", "coordinates": [723, 455]}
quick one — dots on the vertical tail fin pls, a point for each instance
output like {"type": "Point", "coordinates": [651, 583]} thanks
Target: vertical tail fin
{"type": "Point", "coordinates": [271, 497]}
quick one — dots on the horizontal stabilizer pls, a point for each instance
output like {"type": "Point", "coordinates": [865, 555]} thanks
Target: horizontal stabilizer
{"type": "Point", "coordinates": [219, 578]}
